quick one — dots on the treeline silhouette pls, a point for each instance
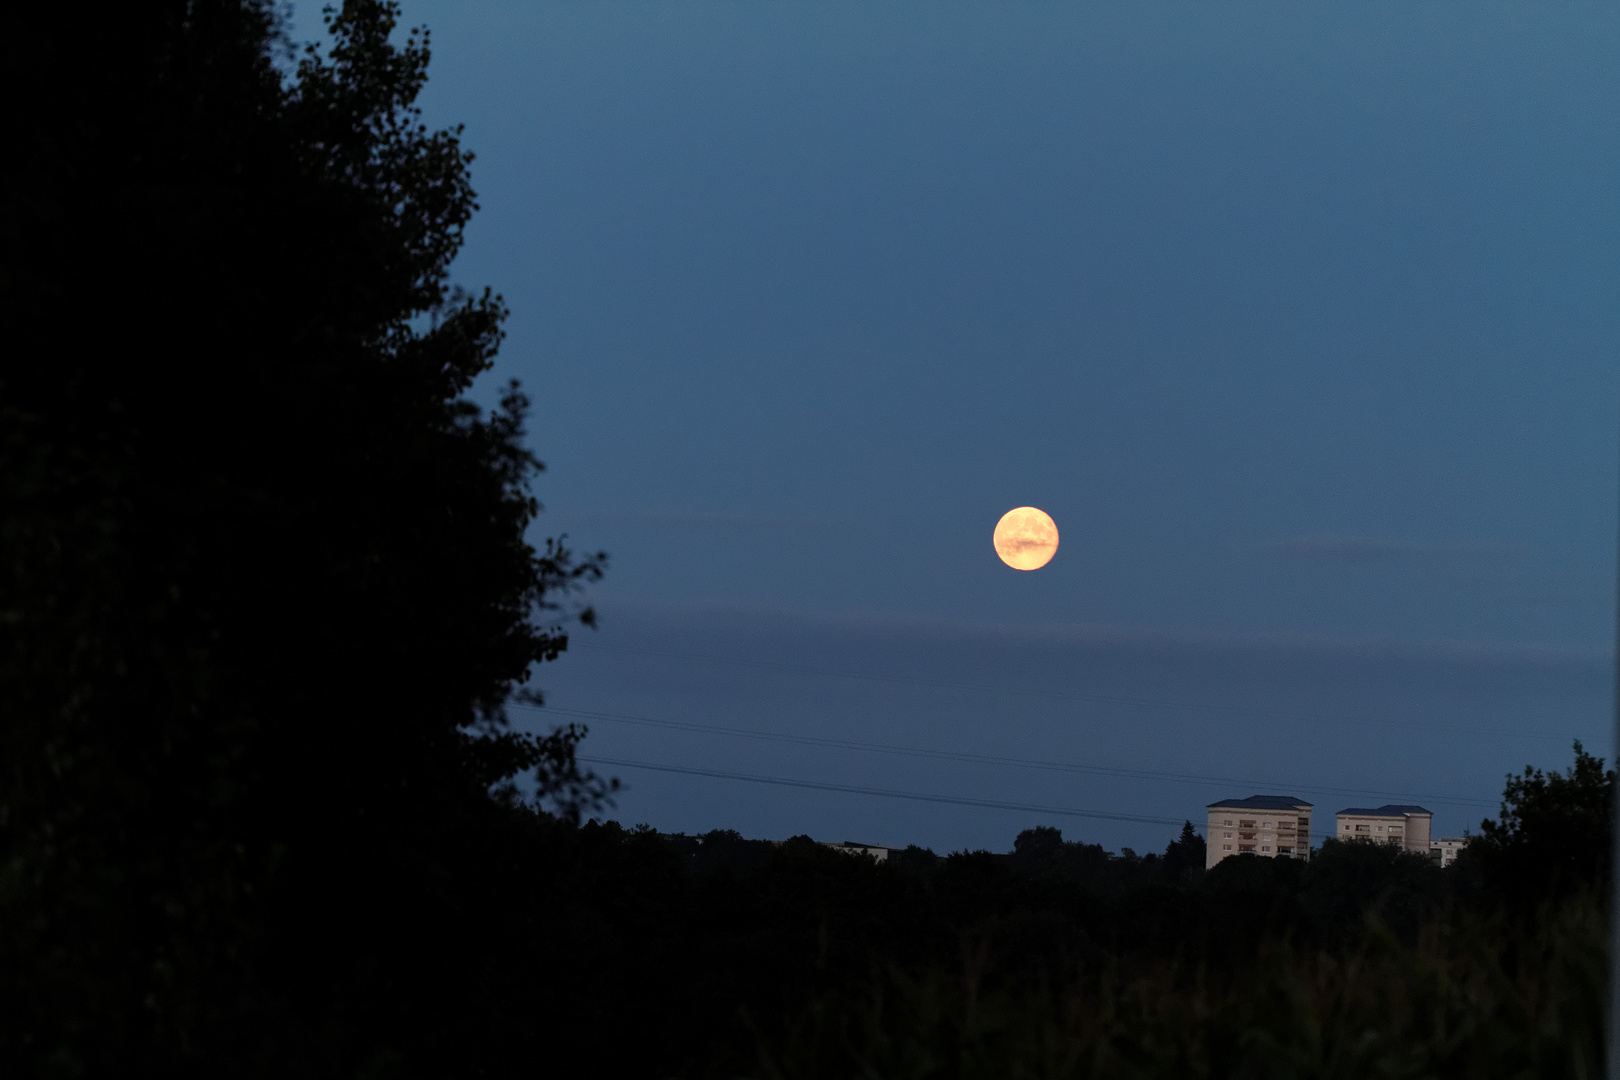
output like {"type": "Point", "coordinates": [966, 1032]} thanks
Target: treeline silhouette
{"type": "Point", "coordinates": [265, 590]}
{"type": "Point", "coordinates": [738, 957]}
{"type": "Point", "coordinates": [265, 577]}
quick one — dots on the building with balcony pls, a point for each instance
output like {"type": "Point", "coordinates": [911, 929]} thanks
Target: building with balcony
{"type": "Point", "coordinates": [1446, 849]}
{"type": "Point", "coordinates": [1395, 823]}
{"type": "Point", "coordinates": [1270, 826]}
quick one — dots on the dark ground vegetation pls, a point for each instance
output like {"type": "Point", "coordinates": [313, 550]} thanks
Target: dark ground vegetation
{"type": "Point", "coordinates": [265, 588]}
{"type": "Point", "coordinates": [1059, 959]}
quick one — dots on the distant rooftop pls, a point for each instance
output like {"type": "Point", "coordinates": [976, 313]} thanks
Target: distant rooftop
{"type": "Point", "coordinates": [1387, 810]}
{"type": "Point", "coordinates": [1264, 802]}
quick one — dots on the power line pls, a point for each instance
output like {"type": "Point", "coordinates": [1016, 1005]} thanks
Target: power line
{"type": "Point", "coordinates": [987, 759]}
{"type": "Point", "coordinates": [810, 669]}
{"type": "Point", "coordinates": [887, 793]}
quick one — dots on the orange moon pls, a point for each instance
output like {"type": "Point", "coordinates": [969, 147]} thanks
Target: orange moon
{"type": "Point", "coordinates": [1026, 538]}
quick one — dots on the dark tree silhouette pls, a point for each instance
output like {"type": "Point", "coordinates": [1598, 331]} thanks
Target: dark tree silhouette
{"type": "Point", "coordinates": [263, 570]}
{"type": "Point", "coordinates": [1184, 856]}
{"type": "Point", "coordinates": [1551, 837]}
{"type": "Point", "coordinates": [1350, 879]}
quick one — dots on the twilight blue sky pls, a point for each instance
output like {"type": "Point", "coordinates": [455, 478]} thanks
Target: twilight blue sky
{"type": "Point", "coordinates": [1299, 318]}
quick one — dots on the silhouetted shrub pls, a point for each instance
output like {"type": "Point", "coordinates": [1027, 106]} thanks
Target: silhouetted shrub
{"type": "Point", "coordinates": [1552, 837]}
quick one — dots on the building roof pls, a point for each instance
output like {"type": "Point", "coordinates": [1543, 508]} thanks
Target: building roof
{"type": "Point", "coordinates": [1387, 810]}
{"type": "Point", "coordinates": [1263, 802]}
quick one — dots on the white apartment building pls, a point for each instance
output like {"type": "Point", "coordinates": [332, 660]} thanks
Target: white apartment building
{"type": "Point", "coordinates": [1270, 826]}
{"type": "Point", "coordinates": [1395, 823]}
{"type": "Point", "coordinates": [1447, 848]}
{"type": "Point", "coordinates": [877, 851]}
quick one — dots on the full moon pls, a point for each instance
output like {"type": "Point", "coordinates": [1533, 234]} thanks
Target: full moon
{"type": "Point", "coordinates": [1026, 538]}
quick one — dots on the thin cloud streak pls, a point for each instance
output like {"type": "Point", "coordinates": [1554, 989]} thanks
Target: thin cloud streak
{"type": "Point", "coordinates": [691, 519]}
{"type": "Point", "coordinates": [1092, 699]}
{"type": "Point", "coordinates": [1208, 642]}
{"type": "Point", "coordinates": [1365, 549]}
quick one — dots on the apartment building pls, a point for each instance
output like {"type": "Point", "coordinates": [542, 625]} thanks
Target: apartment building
{"type": "Point", "coordinates": [1394, 823]}
{"type": "Point", "coordinates": [877, 851]}
{"type": "Point", "coordinates": [1270, 826]}
{"type": "Point", "coordinates": [1446, 849]}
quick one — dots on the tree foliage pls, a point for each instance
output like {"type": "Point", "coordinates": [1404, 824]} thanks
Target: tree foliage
{"type": "Point", "coordinates": [265, 584]}
{"type": "Point", "coordinates": [1552, 836]}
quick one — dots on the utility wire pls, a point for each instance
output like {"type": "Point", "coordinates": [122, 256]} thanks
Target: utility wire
{"type": "Point", "coordinates": [887, 793]}
{"type": "Point", "coordinates": [915, 796]}
{"type": "Point", "coordinates": [810, 669]}
{"type": "Point", "coordinates": [987, 759]}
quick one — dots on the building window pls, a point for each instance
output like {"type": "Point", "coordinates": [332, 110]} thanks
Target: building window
{"type": "Point", "coordinates": [1226, 836]}
{"type": "Point", "coordinates": [1226, 847]}
{"type": "Point", "coordinates": [1245, 824]}
{"type": "Point", "coordinates": [1265, 847]}
{"type": "Point", "coordinates": [1265, 824]}
{"type": "Point", "coordinates": [1285, 851]}
{"type": "Point", "coordinates": [1245, 847]}
{"type": "Point", "coordinates": [1228, 821]}
{"type": "Point", "coordinates": [1361, 828]}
